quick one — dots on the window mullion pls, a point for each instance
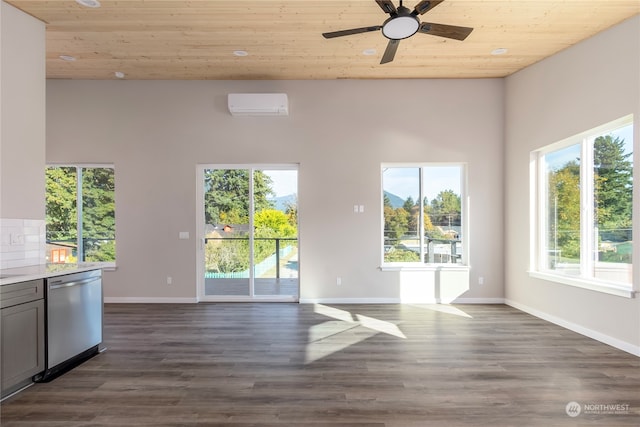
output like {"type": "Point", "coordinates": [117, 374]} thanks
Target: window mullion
{"type": "Point", "coordinates": [542, 261]}
{"type": "Point", "coordinates": [421, 214]}
{"type": "Point", "coordinates": [79, 206]}
{"type": "Point", "coordinates": [587, 218]}
{"type": "Point", "coordinates": [251, 234]}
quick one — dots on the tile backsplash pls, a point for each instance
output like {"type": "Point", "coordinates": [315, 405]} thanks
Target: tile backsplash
{"type": "Point", "coordinates": [22, 242]}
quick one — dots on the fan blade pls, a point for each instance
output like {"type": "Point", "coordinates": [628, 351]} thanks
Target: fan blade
{"type": "Point", "coordinates": [350, 32]}
{"type": "Point", "coordinates": [387, 6]}
{"type": "Point", "coordinates": [425, 6]}
{"type": "Point", "coordinates": [390, 51]}
{"type": "Point", "coordinates": [442, 30]}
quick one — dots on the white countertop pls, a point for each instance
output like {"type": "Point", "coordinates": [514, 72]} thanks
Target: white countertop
{"type": "Point", "coordinates": [33, 272]}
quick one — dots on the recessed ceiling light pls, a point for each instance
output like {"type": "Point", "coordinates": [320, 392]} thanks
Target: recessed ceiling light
{"type": "Point", "coordinates": [89, 3]}
{"type": "Point", "coordinates": [499, 51]}
{"type": "Point", "coordinates": [369, 52]}
{"type": "Point", "coordinates": [68, 58]}
{"type": "Point", "coordinates": [119, 74]}
{"type": "Point", "coordinates": [240, 53]}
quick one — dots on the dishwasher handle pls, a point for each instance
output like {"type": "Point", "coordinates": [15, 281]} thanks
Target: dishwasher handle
{"type": "Point", "coordinates": [58, 285]}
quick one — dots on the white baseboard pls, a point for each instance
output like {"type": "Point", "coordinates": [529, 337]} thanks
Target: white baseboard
{"type": "Point", "coordinates": [598, 336]}
{"type": "Point", "coordinates": [149, 300]}
{"type": "Point", "coordinates": [349, 301]}
{"type": "Point", "coordinates": [398, 301]}
{"type": "Point", "coordinates": [181, 300]}
{"type": "Point", "coordinates": [477, 301]}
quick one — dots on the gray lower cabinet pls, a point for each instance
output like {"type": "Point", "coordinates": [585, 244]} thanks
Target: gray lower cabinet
{"type": "Point", "coordinates": [22, 334]}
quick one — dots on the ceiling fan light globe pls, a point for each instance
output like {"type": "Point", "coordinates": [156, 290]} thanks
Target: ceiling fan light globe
{"type": "Point", "coordinates": [400, 27]}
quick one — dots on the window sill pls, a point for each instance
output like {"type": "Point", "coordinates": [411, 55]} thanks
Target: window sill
{"type": "Point", "coordinates": [424, 267]}
{"type": "Point", "coordinates": [104, 266]}
{"type": "Point", "coordinates": [591, 285]}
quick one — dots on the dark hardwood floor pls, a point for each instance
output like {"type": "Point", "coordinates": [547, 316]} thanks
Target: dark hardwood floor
{"type": "Point", "coordinates": [357, 365]}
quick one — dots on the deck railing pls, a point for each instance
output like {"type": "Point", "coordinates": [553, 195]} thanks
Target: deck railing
{"type": "Point", "coordinates": [278, 252]}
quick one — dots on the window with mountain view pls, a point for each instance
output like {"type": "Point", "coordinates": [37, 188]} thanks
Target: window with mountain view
{"type": "Point", "coordinates": [585, 205]}
{"type": "Point", "coordinates": [80, 214]}
{"type": "Point", "coordinates": [423, 207]}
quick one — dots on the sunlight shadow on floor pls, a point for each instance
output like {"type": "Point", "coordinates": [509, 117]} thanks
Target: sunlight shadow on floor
{"type": "Point", "coordinates": [380, 326]}
{"type": "Point", "coordinates": [343, 331]}
{"type": "Point", "coordinates": [442, 308]}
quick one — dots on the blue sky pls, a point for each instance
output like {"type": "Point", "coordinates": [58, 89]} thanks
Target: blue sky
{"type": "Point", "coordinates": [403, 182]}
{"type": "Point", "coordinates": [559, 158]}
{"type": "Point", "coordinates": [285, 182]}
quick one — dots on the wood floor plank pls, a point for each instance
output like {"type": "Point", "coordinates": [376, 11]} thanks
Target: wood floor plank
{"type": "Point", "coordinates": [343, 365]}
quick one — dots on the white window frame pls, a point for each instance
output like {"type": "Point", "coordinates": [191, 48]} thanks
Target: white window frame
{"type": "Point", "coordinates": [423, 266]}
{"type": "Point", "coordinates": [539, 226]}
{"type": "Point", "coordinates": [106, 265]}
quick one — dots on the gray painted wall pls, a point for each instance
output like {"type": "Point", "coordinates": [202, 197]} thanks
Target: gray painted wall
{"type": "Point", "coordinates": [156, 132]}
{"type": "Point", "coordinates": [580, 88]}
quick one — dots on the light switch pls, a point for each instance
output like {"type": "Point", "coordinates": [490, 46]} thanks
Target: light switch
{"type": "Point", "coordinates": [355, 208]}
{"type": "Point", "coordinates": [184, 235]}
{"type": "Point", "coordinates": [16, 239]}
{"type": "Point", "coordinates": [361, 208]}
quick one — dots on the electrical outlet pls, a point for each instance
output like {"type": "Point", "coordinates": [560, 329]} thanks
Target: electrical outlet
{"type": "Point", "coordinates": [169, 280]}
{"type": "Point", "coordinates": [339, 281]}
{"type": "Point", "coordinates": [480, 280]}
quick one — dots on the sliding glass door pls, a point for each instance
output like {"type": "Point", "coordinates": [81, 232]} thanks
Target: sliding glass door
{"type": "Point", "coordinates": [249, 228]}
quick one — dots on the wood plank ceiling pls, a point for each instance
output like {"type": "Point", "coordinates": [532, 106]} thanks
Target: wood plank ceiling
{"type": "Point", "coordinates": [165, 39]}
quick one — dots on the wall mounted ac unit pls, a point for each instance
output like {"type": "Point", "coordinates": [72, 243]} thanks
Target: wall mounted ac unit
{"type": "Point", "coordinates": [258, 104]}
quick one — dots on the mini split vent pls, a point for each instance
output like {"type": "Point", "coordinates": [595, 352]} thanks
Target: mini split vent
{"type": "Point", "coordinates": [258, 104]}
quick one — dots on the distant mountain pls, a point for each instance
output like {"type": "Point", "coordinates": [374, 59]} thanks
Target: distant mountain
{"type": "Point", "coordinates": [396, 201]}
{"type": "Point", "coordinates": [281, 203]}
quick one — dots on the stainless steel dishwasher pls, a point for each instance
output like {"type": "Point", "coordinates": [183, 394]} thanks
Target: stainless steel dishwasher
{"type": "Point", "coordinates": [74, 320]}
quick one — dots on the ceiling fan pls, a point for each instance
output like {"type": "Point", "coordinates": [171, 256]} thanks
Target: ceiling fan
{"type": "Point", "coordinates": [403, 23]}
